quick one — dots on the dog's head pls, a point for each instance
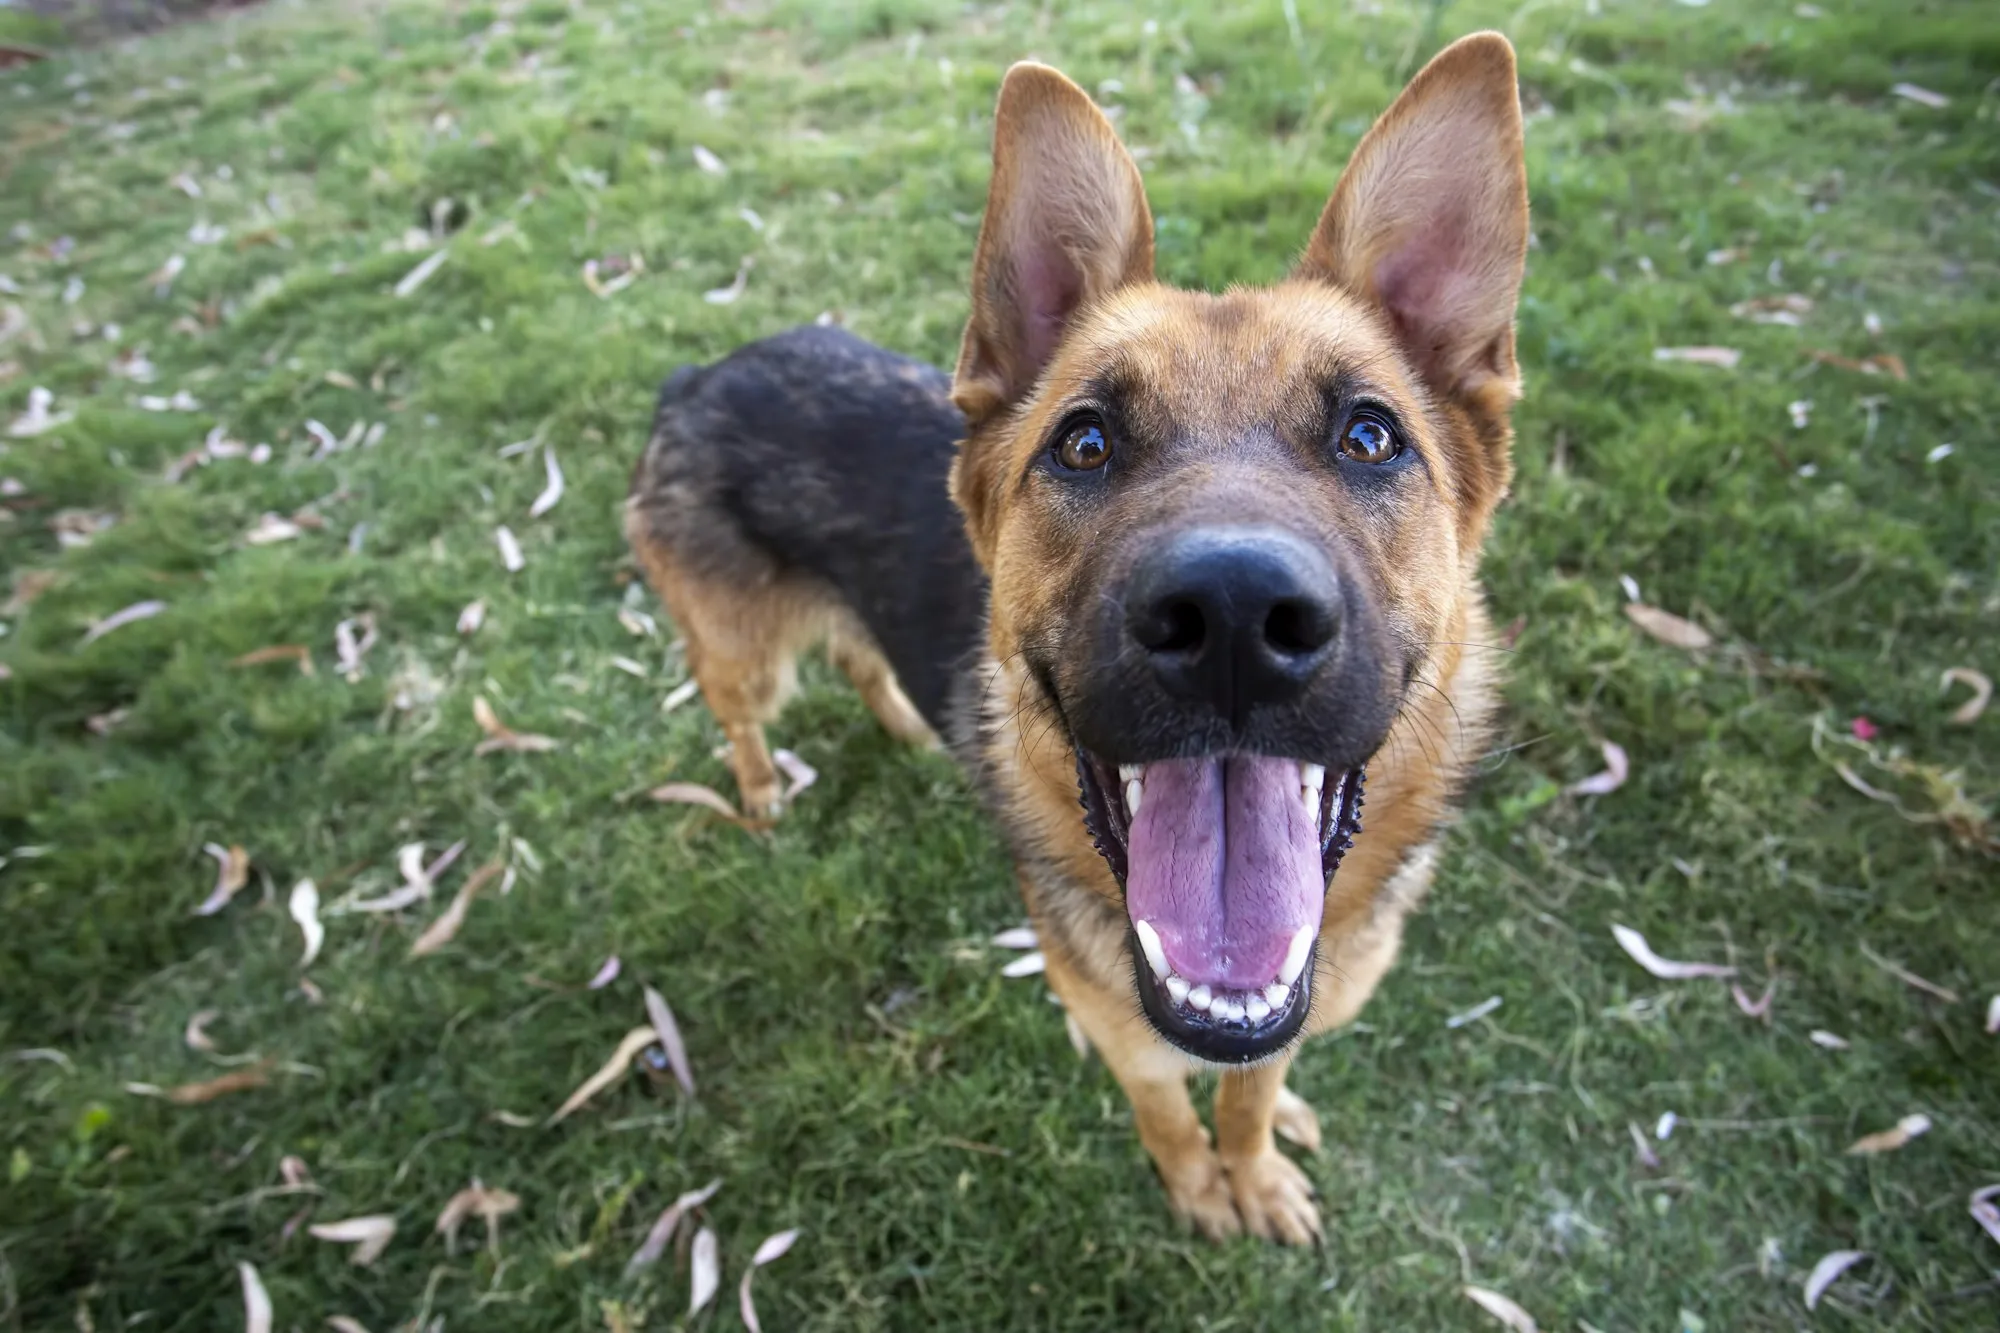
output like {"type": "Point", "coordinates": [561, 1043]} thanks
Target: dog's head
{"type": "Point", "coordinates": [1226, 532]}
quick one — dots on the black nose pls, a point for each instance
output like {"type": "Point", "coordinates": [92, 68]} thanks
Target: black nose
{"type": "Point", "coordinates": [1234, 617]}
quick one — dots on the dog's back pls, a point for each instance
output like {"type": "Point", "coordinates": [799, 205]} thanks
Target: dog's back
{"type": "Point", "coordinates": [795, 492]}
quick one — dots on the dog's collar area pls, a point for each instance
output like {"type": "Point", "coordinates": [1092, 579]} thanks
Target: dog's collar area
{"type": "Point", "coordinates": [1224, 1025]}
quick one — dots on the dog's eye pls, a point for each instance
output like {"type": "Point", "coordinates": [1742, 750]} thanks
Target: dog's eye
{"type": "Point", "coordinates": [1083, 445]}
{"type": "Point", "coordinates": [1369, 439]}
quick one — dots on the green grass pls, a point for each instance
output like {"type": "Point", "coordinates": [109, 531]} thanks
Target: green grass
{"type": "Point", "coordinates": [849, 1028]}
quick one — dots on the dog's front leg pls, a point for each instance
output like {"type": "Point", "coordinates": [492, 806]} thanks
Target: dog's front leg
{"type": "Point", "coordinates": [1273, 1196]}
{"type": "Point", "coordinates": [1154, 1076]}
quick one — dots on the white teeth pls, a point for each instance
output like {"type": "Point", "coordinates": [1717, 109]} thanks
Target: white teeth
{"type": "Point", "coordinates": [1277, 996]}
{"type": "Point", "coordinates": [1312, 775]}
{"type": "Point", "coordinates": [1295, 956]}
{"type": "Point", "coordinates": [1149, 944]}
{"type": "Point", "coordinates": [1131, 772]}
{"type": "Point", "coordinates": [1228, 1010]}
{"type": "Point", "coordinates": [1200, 998]}
{"type": "Point", "coordinates": [1178, 988]}
{"type": "Point", "coordinates": [1310, 796]}
{"type": "Point", "coordinates": [1134, 791]}
{"type": "Point", "coordinates": [1257, 1009]}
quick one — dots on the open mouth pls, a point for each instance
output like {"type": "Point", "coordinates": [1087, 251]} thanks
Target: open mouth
{"type": "Point", "coordinates": [1224, 862]}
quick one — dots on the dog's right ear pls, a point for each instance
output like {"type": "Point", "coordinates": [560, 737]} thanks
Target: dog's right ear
{"type": "Point", "coordinates": [1066, 223]}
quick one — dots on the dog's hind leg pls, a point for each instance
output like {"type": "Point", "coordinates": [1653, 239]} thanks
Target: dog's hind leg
{"type": "Point", "coordinates": [853, 652]}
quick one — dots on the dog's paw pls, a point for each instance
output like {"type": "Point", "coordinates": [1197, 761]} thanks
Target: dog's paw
{"type": "Point", "coordinates": [1274, 1199]}
{"type": "Point", "coordinates": [1198, 1190]}
{"type": "Point", "coordinates": [763, 802]}
{"type": "Point", "coordinates": [1295, 1120]}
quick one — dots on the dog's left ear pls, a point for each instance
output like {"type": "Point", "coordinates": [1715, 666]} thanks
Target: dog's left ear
{"type": "Point", "coordinates": [1430, 220]}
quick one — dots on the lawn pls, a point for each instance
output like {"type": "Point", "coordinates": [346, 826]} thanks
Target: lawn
{"type": "Point", "coordinates": [219, 218]}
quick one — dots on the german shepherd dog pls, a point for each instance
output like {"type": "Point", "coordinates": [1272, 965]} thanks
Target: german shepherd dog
{"type": "Point", "coordinates": [1213, 562]}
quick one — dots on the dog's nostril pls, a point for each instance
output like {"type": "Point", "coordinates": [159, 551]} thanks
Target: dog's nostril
{"type": "Point", "coordinates": [1177, 626]}
{"type": "Point", "coordinates": [1296, 628]}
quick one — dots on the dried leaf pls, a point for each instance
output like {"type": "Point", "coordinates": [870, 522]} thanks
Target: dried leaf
{"type": "Point", "coordinates": [1508, 1313]}
{"type": "Point", "coordinates": [421, 274]}
{"type": "Point", "coordinates": [348, 649]}
{"type": "Point", "coordinates": [1909, 1127]}
{"type": "Point", "coordinates": [278, 652]}
{"type": "Point", "coordinates": [1018, 937]}
{"type": "Point", "coordinates": [232, 872]}
{"type": "Point", "coordinates": [1633, 943]}
{"type": "Point", "coordinates": [304, 907]}
{"type": "Point", "coordinates": [1828, 1270]}
{"type": "Point", "coordinates": [1722, 358]}
{"type": "Point", "coordinates": [635, 1041]}
{"type": "Point", "coordinates": [1027, 965]}
{"type": "Point", "coordinates": [29, 585]}
{"type": "Point", "coordinates": [38, 419]}
{"type": "Point", "coordinates": [368, 1235]}
{"type": "Point", "coordinates": [1668, 628]}
{"type": "Point", "coordinates": [552, 493]}
{"type": "Point", "coordinates": [1616, 768]}
{"type": "Point", "coordinates": [679, 695]}
{"type": "Point", "coordinates": [499, 736]}
{"type": "Point", "coordinates": [606, 974]}
{"type": "Point", "coordinates": [1981, 686]}
{"type": "Point", "coordinates": [196, 1035]}
{"type": "Point", "coordinates": [670, 1039]}
{"type": "Point", "coordinates": [1883, 363]}
{"type": "Point", "coordinates": [694, 793]}
{"type": "Point", "coordinates": [669, 1220]}
{"type": "Point", "coordinates": [236, 1080]}
{"type": "Point", "coordinates": [256, 1301]}
{"type": "Point", "coordinates": [1790, 309]}
{"type": "Point", "coordinates": [1475, 1013]}
{"type": "Point", "coordinates": [798, 773]}
{"type": "Point", "coordinates": [443, 930]}
{"type": "Point", "coordinates": [292, 1168]}
{"type": "Point", "coordinates": [510, 549]}
{"type": "Point", "coordinates": [341, 1323]}
{"type": "Point", "coordinates": [709, 162]}
{"type": "Point", "coordinates": [1827, 1041]}
{"type": "Point", "coordinates": [1758, 1008]}
{"type": "Point", "coordinates": [1920, 95]}
{"type": "Point", "coordinates": [472, 617]}
{"type": "Point", "coordinates": [476, 1200]}
{"type": "Point", "coordinates": [769, 1250]}
{"type": "Point", "coordinates": [1993, 1015]}
{"type": "Point", "coordinates": [637, 623]}
{"type": "Point", "coordinates": [271, 529]}
{"type": "Point", "coordinates": [705, 1271]}
{"type": "Point", "coordinates": [119, 619]}
{"type": "Point", "coordinates": [1909, 978]}
{"type": "Point", "coordinates": [1642, 1149]}
{"type": "Point", "coordinates": [103, 724]}
{"type": "Point", "coordinates": [1985, 1212]}
{"type": "Point", "coordinates": [728, 295]}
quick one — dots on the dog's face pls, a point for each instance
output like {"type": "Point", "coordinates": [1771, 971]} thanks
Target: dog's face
{"type": "Point", "coordinates": [1227, 533]}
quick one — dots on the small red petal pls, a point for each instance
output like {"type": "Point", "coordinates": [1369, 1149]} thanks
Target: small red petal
{"type": "Point", "coordinates": [1864, 730]}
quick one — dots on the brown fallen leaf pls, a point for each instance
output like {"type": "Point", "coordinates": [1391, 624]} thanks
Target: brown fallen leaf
{"type": "Point", "coordinates": [271, 529]}
{"type": "Point", "coordinates": [1909, 1127]}
{"type": "Point", "coordinates": [232, 873]}
{"type": "Point", "coordinates": [443, 930]}
{"type": "Point", "coordinates": [1668, 628]}
{"type": "Point", "coordinates": [103, 724]}
{"type": "Point", "coordinates": [670, 1039]}
{"type": "Point", "coordinates": [635, 1041]}
{"type": "Point", "coordinates": [368, 1235]}
{"type": "Point", "coordinates": [292, 1168]}
{"type": "Point", "coordinates": [1790, 309]}
{"type": "Point", "coordinates": [1616, 768]}
{"type": "Point", "coordinates": [256, 1301]}
{"type": "Point", "coordinates": [1633, 943]}
{"type": "Point", "coordinates": [500, 736]}
{"type": "Point", "coordinates": [1506, 1311]}
{"type": "Point", "coordinates": [489, 1205]}
{"type": "Point", "coordinates": [662, 1232]}
{"type": "Point", "coordinates": [1827, 1271]}
{"type": "Point", "coordinates": [708, 798]}
{"type": "Point", "coordinates": [705, 1270]}
{"type": "Point", "coordinates": [770, 1249]}
{"type": "Point", "coordinates": [1981, 686]}
{"type": "Point", "coordinates": [278, 652]}
{"type": "Point", "coordinates": [1882, 363]}
{"type": "Point", "coordinates": [236, 1080]}
{"type": "Point", "coordinates": [1722, 358]}
{"type": "Point", "coordinates": [29, 585]}
{"type": "Point", "coordinates": [196, 1034]}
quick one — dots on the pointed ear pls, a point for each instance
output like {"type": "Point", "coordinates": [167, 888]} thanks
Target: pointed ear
{"type": "Point", "coordinates": [1430, 219]}
{"type": "Point", "coordinates": [1066, 223]}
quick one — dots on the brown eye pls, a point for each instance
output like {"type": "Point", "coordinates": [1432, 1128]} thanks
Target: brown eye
{"type": "Point", "coordinates": [1369, 439]}
{"type": "Point", "coordinates": [1083, 447]}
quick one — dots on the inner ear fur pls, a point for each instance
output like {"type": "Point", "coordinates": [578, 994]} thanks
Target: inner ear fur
{"type": "Point", "coordinates": [1430, 220]}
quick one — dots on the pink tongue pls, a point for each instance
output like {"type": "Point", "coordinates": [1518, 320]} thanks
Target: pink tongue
{"type": "Point", "coordinates": [1224, 862]}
